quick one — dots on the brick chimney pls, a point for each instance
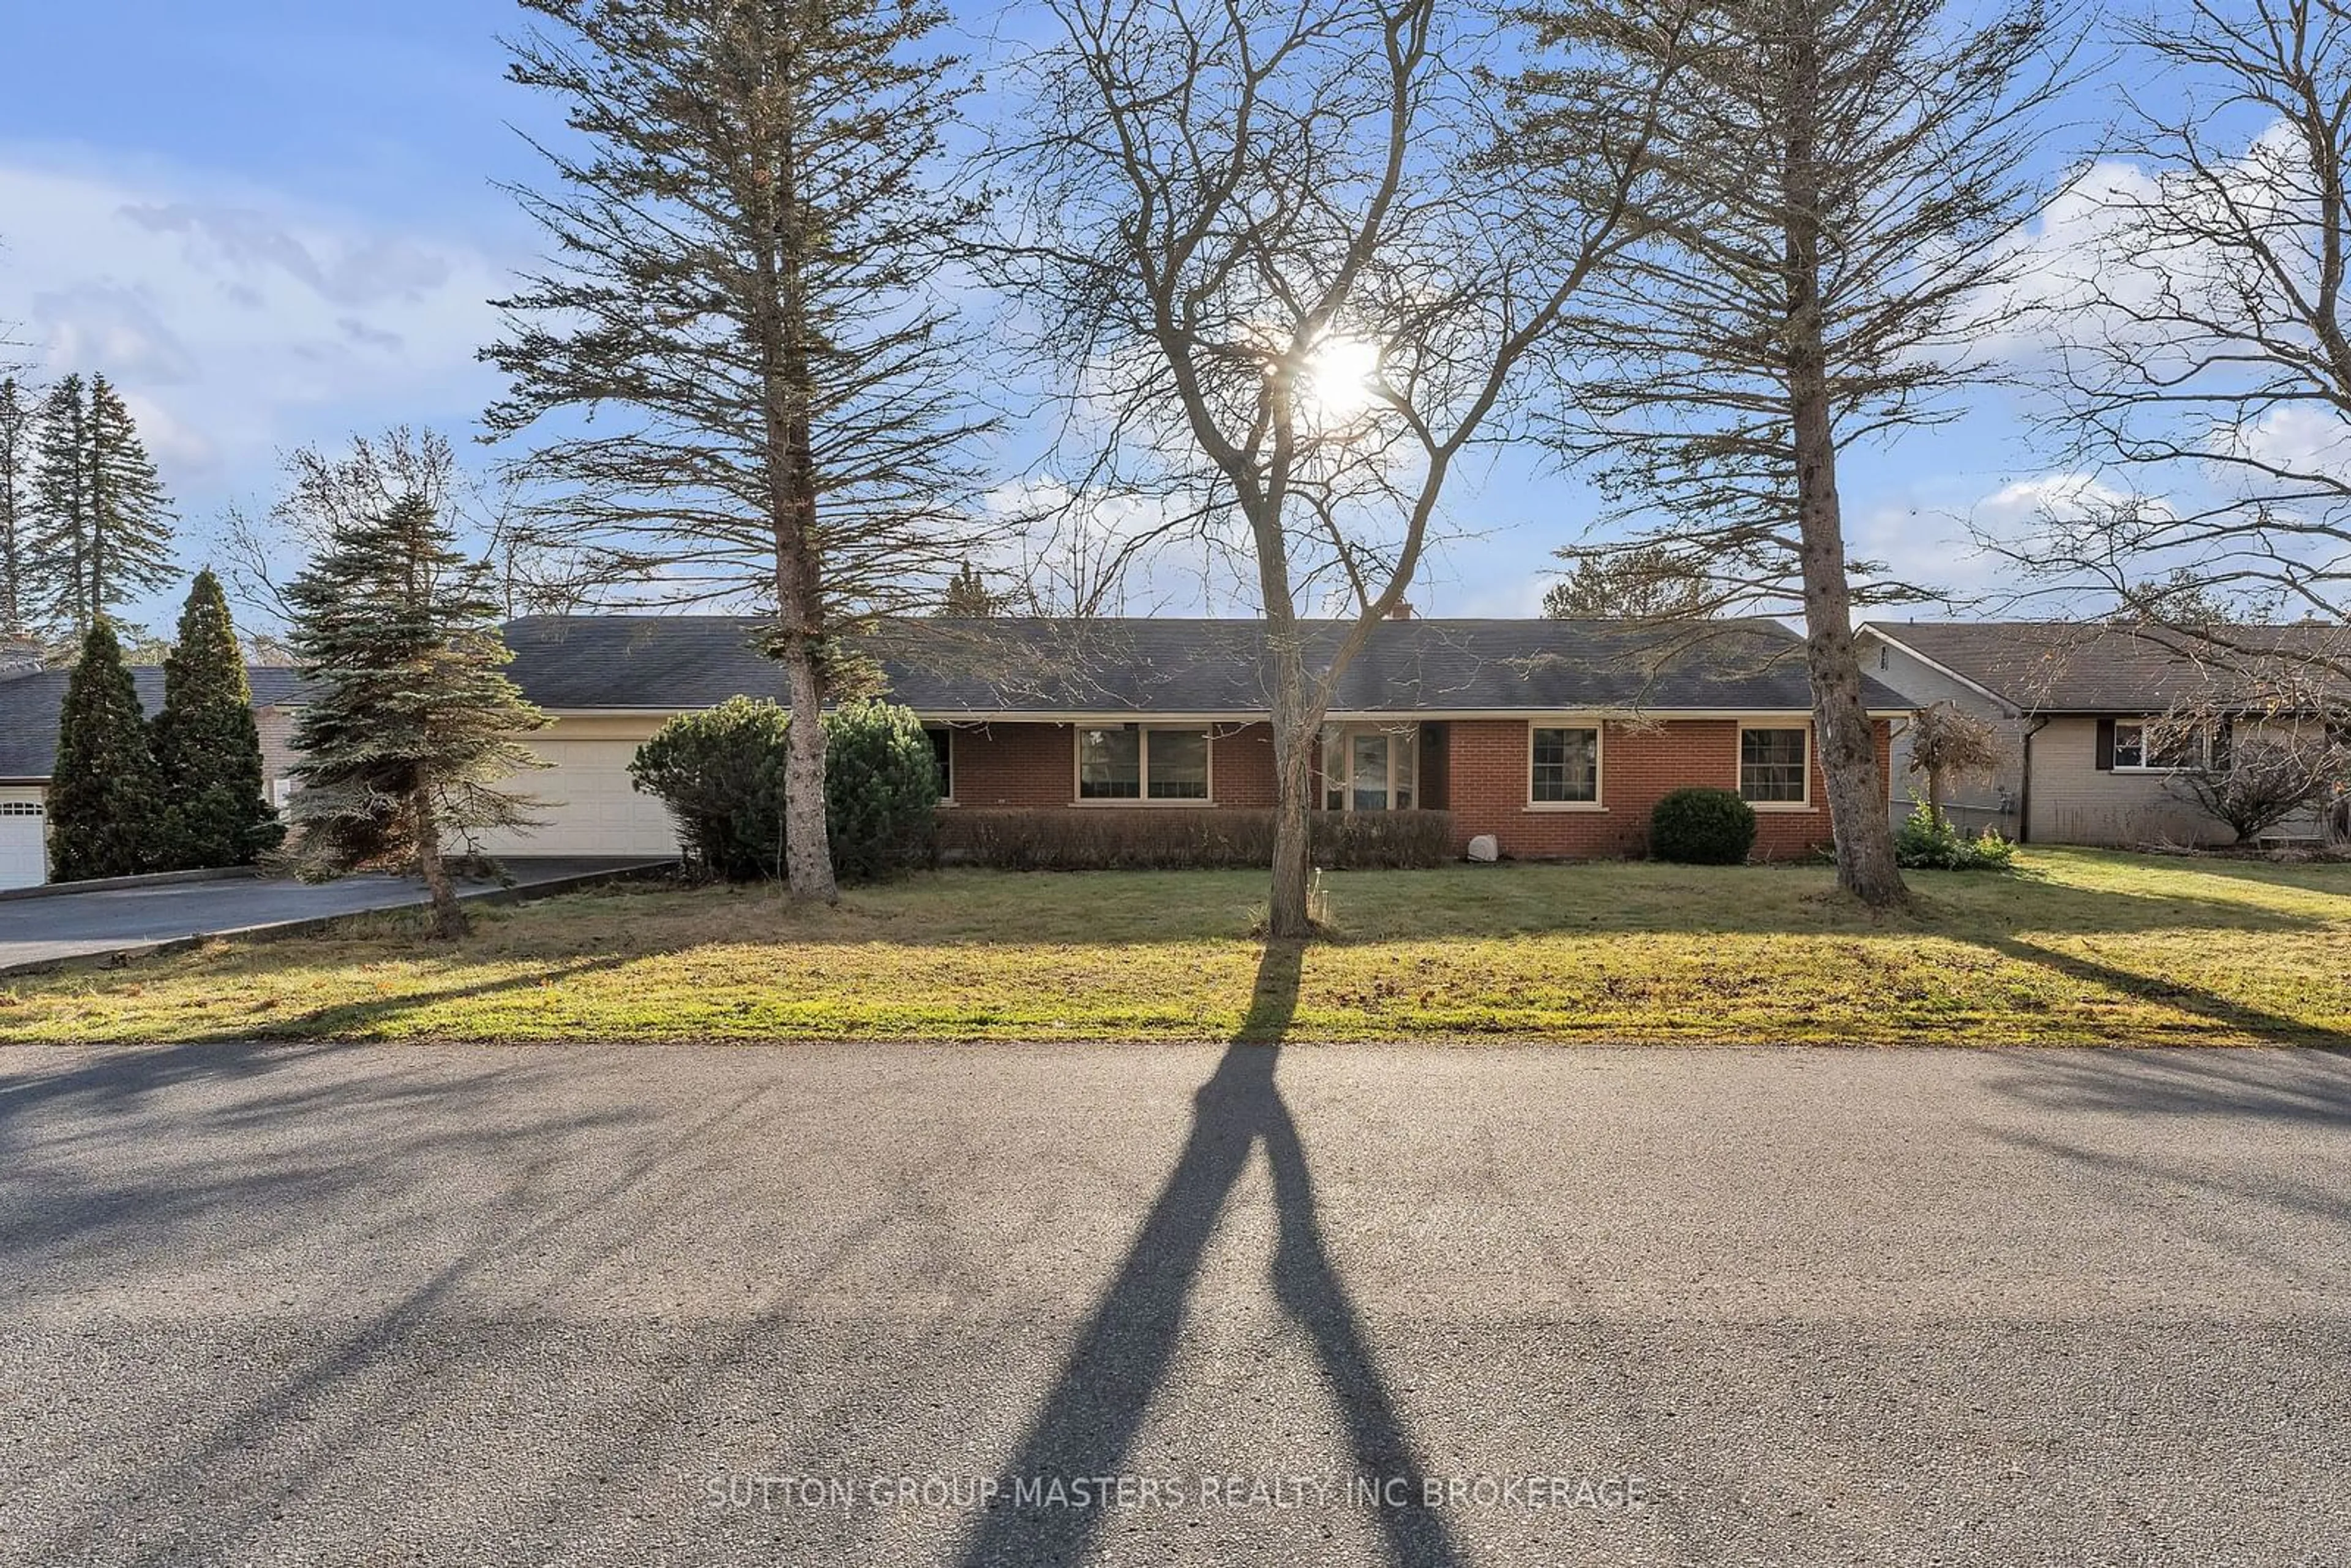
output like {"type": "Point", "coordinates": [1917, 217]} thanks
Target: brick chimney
{"type": "Point", "coordinates": [1402, 611]}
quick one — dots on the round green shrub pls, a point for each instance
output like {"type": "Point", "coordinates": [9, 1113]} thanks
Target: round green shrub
{"type": "Point", "coordinates": [720, 771]}
{"type": "Point", "coordinates": [880, 792]}
{"type": "Point", "coordinates": [1703, 826]}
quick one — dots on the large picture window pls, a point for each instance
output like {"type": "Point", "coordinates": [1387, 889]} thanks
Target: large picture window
{"type": "Point", "coordinates": [1133, 762]}
{"type": "Point", "coordinates": [1773, 767]}
{"type": "Point", "coordinates": [1565, 766]}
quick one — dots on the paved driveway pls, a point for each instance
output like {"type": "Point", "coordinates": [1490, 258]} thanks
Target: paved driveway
{"type": "Point", "coordinates": [802, 1305]}
{"type": "Point", "coordinates": [86, 924]}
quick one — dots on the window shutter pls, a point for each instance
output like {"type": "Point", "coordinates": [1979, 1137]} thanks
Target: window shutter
{"type": "Point", "coordinates": [2106, 746]}
{"type": "Point", "coordinates": [2224, 740]}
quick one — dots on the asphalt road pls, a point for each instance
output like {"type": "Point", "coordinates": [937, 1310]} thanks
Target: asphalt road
{"type": "Point", "coordinates": [721, 1305]}
{"type": "Point", "coordinates": [66, 925]}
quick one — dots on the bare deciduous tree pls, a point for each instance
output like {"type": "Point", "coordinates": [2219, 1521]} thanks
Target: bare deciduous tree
{"type": "Point", "coordinates": [1297, 274]}
{"type": "Point", "coordinates": [327, 492]}
{"type": "Point", "coordinates": [2253, 771]}
{"type": "Point", "coordinates": [1948, 743]}
{"type": "Point", "coordinates": [776, 402]}
{"type": "Point", "coordinates": [2204, 354]}
{"type": "Point", "coordinates": [1829, 199]}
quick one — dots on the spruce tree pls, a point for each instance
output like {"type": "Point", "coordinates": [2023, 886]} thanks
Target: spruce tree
{"type": "Point", "coordinates": [20, 579]}
{"type": "Point", "coordinates": [748, 222]}
{"type": "Point", "coordinates": [60, 540]}
{"type": "Point", "coordinates": [207, 747]}
{"type": "Point", "coordinates": [105, 532]}
{"type": "Point", "coordinates": [411, 725]}
{"type": "Point", "coordinates": [105, 797]}
{"type": "Point", "coordinates": [968, 596]}
{"type": "Point", "coordinates": [131, 517]}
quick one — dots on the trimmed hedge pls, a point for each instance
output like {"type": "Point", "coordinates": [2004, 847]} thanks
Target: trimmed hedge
{"type": "Point", "coordinates": [1168, 839]}
{"type": "Point", "coordinates": [1703, 826]}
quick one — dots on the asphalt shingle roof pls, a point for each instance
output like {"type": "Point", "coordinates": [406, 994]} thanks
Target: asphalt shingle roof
{"type": "Point", "coordinates": [2065, 667]}
{"type": "Point", "coordinates": [29, 705]}
{"type": "Point", "coordinates": [946, 667]}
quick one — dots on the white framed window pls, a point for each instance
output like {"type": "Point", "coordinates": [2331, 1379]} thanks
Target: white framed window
{"type": "Point", "coordinates": [1143, 763]}
{"type": "Point", "coordinates": [1775, 765]}
{"type": "Point", "coordinates": [1371, 768]}
{"type": "Point", "coordinates": [2151, 745]}
{"type": "Point", "coordinates": [1562, 765]}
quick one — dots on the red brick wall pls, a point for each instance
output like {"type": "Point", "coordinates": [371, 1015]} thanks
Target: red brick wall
{"type": "Point", "coordinates": [1482, 764]}
{"type": "Point", "coordinates": [1638, 764]}
{"type": "Point", "coordinates": [1037, 765]}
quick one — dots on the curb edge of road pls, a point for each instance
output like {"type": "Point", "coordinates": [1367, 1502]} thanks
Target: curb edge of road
{"type": "Point", "coordinates": [313, 924]}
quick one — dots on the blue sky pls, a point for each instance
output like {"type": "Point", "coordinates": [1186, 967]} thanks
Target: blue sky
{"type": "Point", "coordinates": [274, 222]}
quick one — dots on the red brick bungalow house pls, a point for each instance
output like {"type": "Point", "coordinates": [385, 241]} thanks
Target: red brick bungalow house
{"type": "Point", "coordinates": [1554, 737]}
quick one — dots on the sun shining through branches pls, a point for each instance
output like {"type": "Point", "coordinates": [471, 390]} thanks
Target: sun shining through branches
{"type": "Point", "coordinates": [1342, 380]}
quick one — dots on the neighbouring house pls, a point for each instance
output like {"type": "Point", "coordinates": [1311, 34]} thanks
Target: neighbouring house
{"type": "Point", "coordinates": [30, 699]}
{"type": "Point", "coordinates": [1554, 737]}
{"type": "Point", "coordinates": [2077, 708]}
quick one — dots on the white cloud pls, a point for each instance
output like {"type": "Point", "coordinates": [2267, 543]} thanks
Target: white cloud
{"type": "Point", "coordinates": [237, 320]}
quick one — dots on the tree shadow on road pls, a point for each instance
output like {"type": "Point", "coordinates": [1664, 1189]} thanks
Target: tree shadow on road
{"type": "Point", "coordinates": [1089, 1422]}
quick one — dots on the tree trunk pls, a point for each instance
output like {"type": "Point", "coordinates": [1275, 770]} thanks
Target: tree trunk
{"type": "Point", "coordinates": [1291, 913]}
{"type": "Point", "coordinates": [444, 918]}
{"type": "Point", "coordinates": [1935, 797]}
{"type": "Point", "coordinates": [1295, 718]}
{"type": "Point", "coordinates": [1858, 819]}
{"type": "Point", "coordinates": [792, 506]}
{"type": "Point", "coordinates": [808, 853]}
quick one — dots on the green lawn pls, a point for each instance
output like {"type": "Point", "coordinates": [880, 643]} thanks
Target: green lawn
{"type": "Point", "coordinates": [2079, 948]}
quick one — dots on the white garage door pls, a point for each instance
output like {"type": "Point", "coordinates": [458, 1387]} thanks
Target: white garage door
{"type": "Point", "coordinates": [24, 841]}
{"type": "Point", "coordinates": [587, 805]}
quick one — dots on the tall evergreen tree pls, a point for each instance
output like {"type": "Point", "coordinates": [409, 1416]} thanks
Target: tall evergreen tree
{"type": "Point", "coordinates": [207, 747]}
{"type": "Point", "coordinates": [20, 579]}
{"type": "Point", "coordinates": [105, 797]}
{"type": "Point", "coordinates": [61, 509]}
{"type": "Point", "coordinates": [106, 523]}
{"type": "Point", "coordinates": [132, 519]}
{"type": "Point", "coordinates": [969, 597]}
{"type": "Point", "coordinates": [410, 727]}
{"type": "Point", "coordinates": [747, 228]}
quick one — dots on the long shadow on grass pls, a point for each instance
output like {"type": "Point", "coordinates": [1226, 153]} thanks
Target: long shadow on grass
{"type": "Point", "coordinates": [2257, 1021]}
{"type": "Point", "coordinates": [1087, 1425]}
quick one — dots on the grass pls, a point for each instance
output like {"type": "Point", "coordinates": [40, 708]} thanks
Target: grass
{"type": "Point", "coordinates": [2078, 948]}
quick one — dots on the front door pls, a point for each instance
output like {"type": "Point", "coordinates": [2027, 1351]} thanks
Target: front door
{"type": "Point", "coordinates": [1369, 768]}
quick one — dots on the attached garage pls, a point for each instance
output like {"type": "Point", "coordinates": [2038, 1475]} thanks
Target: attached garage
{"type": "Point", "coordinates": [24, 838]}
{"type": "Point", "coordinates": [587, 804]}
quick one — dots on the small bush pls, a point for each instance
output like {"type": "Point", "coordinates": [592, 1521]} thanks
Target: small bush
{"type": "Point", "coordinates": [720, 771]}
{"type": "Point", "coordinates": [880, 792]}
{"type": "Point", "coordinates": [1703, 826]}
{"type": "Point", "coordinates": [1160, 839]}
{"type": "Point", "coordinates": [1924, 843]}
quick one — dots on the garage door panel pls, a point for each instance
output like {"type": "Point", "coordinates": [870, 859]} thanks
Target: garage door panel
{"type": "Point", "coordinates": [24, 838]}
{"type": "Point", "coordinates": [586, 806]}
